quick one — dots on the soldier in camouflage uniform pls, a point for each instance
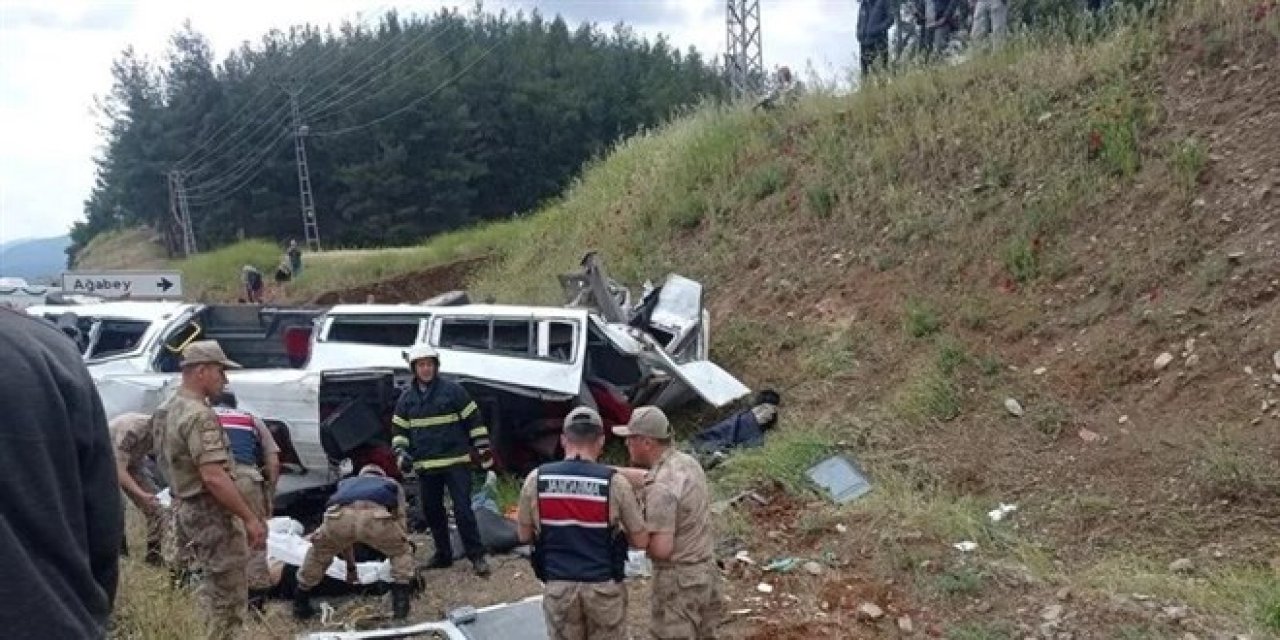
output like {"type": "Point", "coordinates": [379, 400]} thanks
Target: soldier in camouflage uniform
{"type": "Point", "coordinates": [369, 509]}
{"type": "Point", "coordinates": [132, 441]}
{"type": "Point", "coordinates": [257, 459]}
{"type": "Point", "coordinates": [213, 516]}
{"type": "Point", "coordinates": [687, 601]}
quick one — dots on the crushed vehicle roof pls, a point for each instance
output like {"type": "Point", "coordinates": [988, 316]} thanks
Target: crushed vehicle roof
{"type": "Point", "coordinates": [142, 311]}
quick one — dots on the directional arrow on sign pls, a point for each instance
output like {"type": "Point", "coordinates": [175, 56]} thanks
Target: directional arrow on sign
{"type": "Point", "coordinates": [164, 284]}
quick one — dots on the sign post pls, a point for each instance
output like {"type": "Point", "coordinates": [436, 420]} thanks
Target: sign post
{"type": "Point", "coordinates": [132, 285]}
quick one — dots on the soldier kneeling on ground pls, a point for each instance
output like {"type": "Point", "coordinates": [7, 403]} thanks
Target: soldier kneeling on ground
{"type": "Point", "coordinates": [369, 509]}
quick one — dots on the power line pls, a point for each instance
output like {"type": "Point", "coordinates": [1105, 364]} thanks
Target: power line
{"type": "Point", "coordinates": [311, 65]}
{"type": "Point", "coordinates": [413, 103]}
{"type": "Point", "coordinates": [215, 190]}
{"type": "Point", "coordinates": [335, 102]}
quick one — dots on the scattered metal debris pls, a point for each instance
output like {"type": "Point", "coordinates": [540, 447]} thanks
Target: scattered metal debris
{"type": "Point", "coordinates": [841, 478]}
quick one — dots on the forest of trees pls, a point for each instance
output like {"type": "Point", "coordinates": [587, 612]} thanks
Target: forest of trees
{"type": "Point", "coordinates": [415, 126]}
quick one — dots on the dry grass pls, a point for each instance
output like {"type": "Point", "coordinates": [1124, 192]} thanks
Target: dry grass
{"type": "Point", "coordinates": [127, 249]}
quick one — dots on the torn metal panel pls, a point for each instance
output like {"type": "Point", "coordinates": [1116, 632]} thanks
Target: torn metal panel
{"type": "Point", "coordinates": [678, 313]}
{"type": "Point", "coordinates": [591, 288]}
{"type": "Point", "coordinates": [841, 478]}
{"type": "Point", "coordinates": [705, 378]}
{"type": "Point", "coordinates": [521, 620]}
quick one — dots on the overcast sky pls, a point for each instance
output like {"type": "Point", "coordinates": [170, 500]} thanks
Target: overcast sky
{"type": "Point", "coordinates": [55, 57]}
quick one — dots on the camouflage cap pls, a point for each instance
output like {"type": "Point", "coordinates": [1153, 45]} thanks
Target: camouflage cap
{"type": "Point", "coordinates": [206, 352]}
{"type": "Point", "coordinates": [646, 421]}
{"type": "Point", "coordinates": [584, 422]}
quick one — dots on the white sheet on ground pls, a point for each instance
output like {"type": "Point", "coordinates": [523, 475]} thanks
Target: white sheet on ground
{"type": "Point", "coordinates": [286, 544]}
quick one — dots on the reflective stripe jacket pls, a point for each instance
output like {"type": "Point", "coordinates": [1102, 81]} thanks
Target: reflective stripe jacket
{"type": "Point", "coordinates": [437, 424]}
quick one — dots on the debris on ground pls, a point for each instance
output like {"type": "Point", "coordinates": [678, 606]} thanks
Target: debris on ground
{"type": "Point", "coordinates": [1001, 512]}
{"type": "Point", "coordinates": [1013, 407]}
{"type": "Point", "coordinates": [764, 587]}
{"type": "Point", "coordinates": [841, 479]}
{"type": "Point", "coordinates": [782, 565]}
{"type": "Point", "coordinates": [813, 568]}
{"type": "Point", "coordinates": [966, 546]}
{"type": "Point", "coordinates": [1163, 361]}
{"type": "Point", "coordinates": [1089, 436]}
{"type": "Point", "coordinates": [1182, 565]}
{"type": "Point", "coordinates": [870, 611]}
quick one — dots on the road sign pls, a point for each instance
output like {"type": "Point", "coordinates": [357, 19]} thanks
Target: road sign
{"type": "Point", "coordinates": [135, 285]}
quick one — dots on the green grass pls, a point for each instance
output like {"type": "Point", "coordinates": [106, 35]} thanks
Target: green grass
{"type": "Point", "coordinates": [980, 631]}
{"type": "Point", "coordinates": [1020, 259]}
{"type": "Point", "coordinates": [1248, 594]}
{"type": "Point", "coordinates": [787, 454]}
{"type": "Point", "coordinates": [1189, 159]}
{"type": "Point", "coordinates": [820, 200]}
{"type": "Point", "coordinates": [920, 319]}
{"type": "Point", "coordinates": [928, 394]}
{"type": "Point", "coordinates": [960, 581]}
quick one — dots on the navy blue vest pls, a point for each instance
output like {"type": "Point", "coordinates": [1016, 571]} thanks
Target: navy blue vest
{"type": "Point", "coordinates": [374, 489]}
{"type": "Point", "coordinates": [246, 447]}
{"type": "Point", "coordinates": [575, 540]}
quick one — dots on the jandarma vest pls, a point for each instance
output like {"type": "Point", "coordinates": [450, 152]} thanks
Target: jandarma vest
{"type": "Point", "coordinates": [575, 541]}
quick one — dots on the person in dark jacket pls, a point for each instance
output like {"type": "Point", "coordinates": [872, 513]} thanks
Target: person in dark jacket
{"type": "Point", "coordinates": [436, 431]}
{"type": "Point", "coordinates": [368, 509]}
{"type": "Point", "coordinates": [62, 526]}
{"type": "Point", "coordinates": [743, 429]}
{"type": "Point", "coordinates": [875, 17]}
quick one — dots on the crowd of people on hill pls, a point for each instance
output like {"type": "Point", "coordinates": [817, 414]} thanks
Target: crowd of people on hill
{"type": "Point", "coordinates": [928, 30]}
{"type": "Point", "coordinates": [252, 284]}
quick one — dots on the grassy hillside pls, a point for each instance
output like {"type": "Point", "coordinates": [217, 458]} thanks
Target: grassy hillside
{"type": "Point", "coordinates": [1041, 224]}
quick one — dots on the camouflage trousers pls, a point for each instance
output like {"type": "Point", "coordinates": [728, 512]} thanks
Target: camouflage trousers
{"type": "Point", "coordinates": [687, 602]}
{"type": "Point", "coordinates": [364, 522]}
{"type": "Point", "coordinates": [217, 548]}
{"type": "Point", "coordinates": [253, 487]}
{"type": "Point", "coordinates": [155, 521]}
{"type": "Point", "coordinates": [585, 610]}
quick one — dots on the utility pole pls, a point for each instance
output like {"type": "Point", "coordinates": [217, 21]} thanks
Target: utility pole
{"type": "Point", "coordinates": [181, 212]}
{"type": "Point", "coordinates": [310, 230]}
{"type": "Point", "coordinates": [744, 52]}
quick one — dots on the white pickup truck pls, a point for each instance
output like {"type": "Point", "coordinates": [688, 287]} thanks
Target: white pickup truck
{"type": "Point", "coordinates": [327, 380]}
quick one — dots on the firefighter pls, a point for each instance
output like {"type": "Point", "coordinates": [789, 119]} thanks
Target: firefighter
{"type": "Point", "coordinates": [438, 433]}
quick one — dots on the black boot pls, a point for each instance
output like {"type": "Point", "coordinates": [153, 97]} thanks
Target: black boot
{"type": "Point", "coordinates": [439, 562]}
{"type": "Point", "coordinates": [481, 566]}
{"type": "Point", "coordinates": [258, 601]}
{"type": "Point", "coordinates": [400, 600]}
{"type": "Point", "coordinates": [302, 604]}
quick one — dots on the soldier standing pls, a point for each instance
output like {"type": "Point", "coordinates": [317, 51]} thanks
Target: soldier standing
{"type": "Point", "coordinates": [576, 514]}
{"type": "Point", "coordinates": [687, 601]}
{"type": "Point", "coordinates": [133, 441]}
{"type": "Point", "coordinates": [369, 509]}
{"type": "Point", "coordinates": [197, 458]}
{"type": "Point", "coordinates": [257, 459]}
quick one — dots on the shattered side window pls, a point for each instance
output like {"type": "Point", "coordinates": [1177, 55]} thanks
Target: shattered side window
{"type": "Point", "coordinates": [464, 333]}
{"type": "Point", "coordinates": [117, 337]}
